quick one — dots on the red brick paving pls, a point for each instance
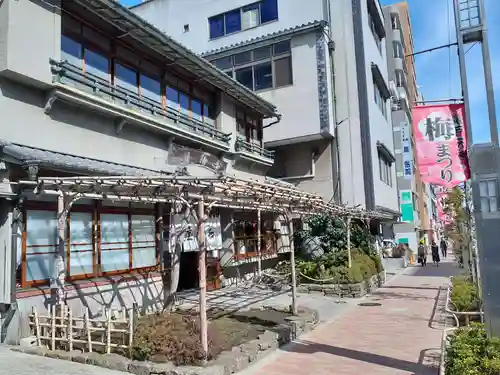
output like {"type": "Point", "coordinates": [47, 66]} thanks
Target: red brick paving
{"type": "Point", "coordinates": [403, 336]}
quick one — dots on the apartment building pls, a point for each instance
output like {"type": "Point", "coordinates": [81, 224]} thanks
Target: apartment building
{"type": "Point", "coordinates": [414, 223]}
{"type": "Point", "coordinates": [98, 91]}
{"type": "Point", "coordinates": [323, 63]}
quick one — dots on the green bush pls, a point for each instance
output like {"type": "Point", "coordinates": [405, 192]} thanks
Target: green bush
{"type": "Point", "coordinates": [333, 268]}
{"type": "Point", "coordinates": [471, 352]}
{"type": "Point", "coordinates": [464, 294]}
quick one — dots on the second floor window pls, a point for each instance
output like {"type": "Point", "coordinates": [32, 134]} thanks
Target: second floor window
{"type": "Point", "coordinates": [262, 68]}
{"type": "Point", "coordinates": [243, 18]}
{"type": "Point", "coordinates": [249, 128]}
{"type": "Point", "coordinates": [132, 76]}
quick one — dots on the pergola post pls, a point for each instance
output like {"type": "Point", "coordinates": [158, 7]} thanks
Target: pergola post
{"type": "Point", "coordinates": [59, 276]}
{"type": "Point", "coordinates": [292, 261]}
{"type": "Point", "coordinates": [202, 270]}
{"type": "Point", "coordinates": [349, 257]}
{"type": "Point", "coordinates": [259, 243]}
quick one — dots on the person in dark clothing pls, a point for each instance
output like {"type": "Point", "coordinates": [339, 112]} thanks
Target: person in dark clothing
{"type": "Point", "coordinates": [422, 254]}
{"type": "Point", "coordinates": [444, 248]}
{"type": "Point", "coordinates": [435, 254]}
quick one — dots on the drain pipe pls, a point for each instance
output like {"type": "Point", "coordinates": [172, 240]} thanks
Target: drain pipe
{"type": "Point", "coordinates": [278, 117]}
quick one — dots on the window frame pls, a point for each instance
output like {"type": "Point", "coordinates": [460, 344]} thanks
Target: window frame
{"type": "Point", "coordinates": [241, 11]}
{"type": "Point", "coordinates": [385, 169]}
{"type": "Point", "coordinates": [273, 57]}
{"type": "Point", "coordinates": [113, 59]}
{"type": "Point", "coordinates": [491, 196]}
{"type": "Point", "coordinates": [250, 126]}
{"type": "Point", "coordinates": [96, 209]}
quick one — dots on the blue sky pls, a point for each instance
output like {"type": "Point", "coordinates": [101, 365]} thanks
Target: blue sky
{"type": "Point", "coordinates": [437, 72]}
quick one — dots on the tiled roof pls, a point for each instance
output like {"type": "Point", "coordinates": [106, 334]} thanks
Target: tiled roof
{"type": "Point", "coordinates": [45, 158]}
{"type": "Point", "coordinates": [288, 31]}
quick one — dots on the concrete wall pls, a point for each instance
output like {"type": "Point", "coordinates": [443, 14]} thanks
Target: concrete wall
{"type": "Point", "coordinates": [345, 110]}
{"type": "Point", "coordinates": [299, 120]}
{"type": "Point", "coordinates": [316, 174]}
{"type": "Point", "coordinates": [165, 15]}
{"type": "Point", "coordinates": [28, 53]}
{"type": "Point", "coordinates": [380, 126]}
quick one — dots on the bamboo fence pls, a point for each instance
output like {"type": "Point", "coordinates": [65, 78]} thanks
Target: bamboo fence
{"type": "Point", "coordinates": [60, 329]}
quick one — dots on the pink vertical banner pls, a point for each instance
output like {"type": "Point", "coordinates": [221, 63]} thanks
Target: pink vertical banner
{"type": "Point", "coordinates": [441, 195]}
{"type": "Point", "coordinates": [441, 142]}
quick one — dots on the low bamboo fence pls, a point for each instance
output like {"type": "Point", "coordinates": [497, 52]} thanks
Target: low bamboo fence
{"type": "Point", "coordinates": [60, 329]}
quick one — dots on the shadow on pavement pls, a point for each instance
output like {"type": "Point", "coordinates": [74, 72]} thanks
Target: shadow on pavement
{"type": "Point", "coordinates": [446, 268]}
{"type": "Point", "coordinates": [425, 366]}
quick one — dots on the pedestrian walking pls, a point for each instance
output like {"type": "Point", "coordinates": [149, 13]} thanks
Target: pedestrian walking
{"type": "Point", "coordinates": [422, 254]}
{"type": "Point", "coordinates": [435, 253]}
{"type": "Point", "coordinates": [444, 248]}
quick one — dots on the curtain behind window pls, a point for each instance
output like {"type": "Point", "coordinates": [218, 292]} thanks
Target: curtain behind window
{"type": "Point", "coordinates": [114, 242]}
{"type": "Point", "coordinates": [41, 244]}
{"type": "Point", "coordinates": [143, 241]}
{"type": "Point", "coordinates": [81, 261]}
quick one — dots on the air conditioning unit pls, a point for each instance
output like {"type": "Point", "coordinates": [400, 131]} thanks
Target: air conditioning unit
{"type": "Point", "coordinates": [393, 89]}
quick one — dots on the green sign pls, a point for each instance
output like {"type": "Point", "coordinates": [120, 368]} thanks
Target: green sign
{"type": "Point", "coordinates": [406, 212]}
{"type": "Point", "coordinates": [403, 240]}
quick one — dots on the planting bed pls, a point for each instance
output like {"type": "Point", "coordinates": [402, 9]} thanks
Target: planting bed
{"type": "Point", "coordinates": [169, 345]}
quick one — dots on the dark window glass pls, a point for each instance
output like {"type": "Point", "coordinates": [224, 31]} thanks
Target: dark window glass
{"type": "Point", "coordinates": [229, 73]}
{"type": "Point", "coordinates": [245, 77]}
{"type": "Point", "coordinates": [263, 76]}
{"type": "Point", "coordinates": [125, 78]}
{"type": "Point", "coordinates": [242, 58]}
{"type": "Point", "coordinates": [262, 53]}
{"type": "Point", "coordinates": [184, 102]}
{"type": "Point", "coordinates": [150, 88]}
{"type": "Point", "coordinates": [172, 98]}
{"type": "Point", "coordinates": [71, 50]}
{"type": "Point", "coordinates": [281, 47]}
{"type": "Point", "coordinates": [216, 25]}
{"type": "Point", "coordinates": [196, 109]}
{"type": "Point", "coordinates": [268, 10]}
{"type": "Point", "coordinates": [207, 115]}
{"type": "Point", "coordinates": [283, 71]}
{"type": "Point", "coordinates": [224, 63]}
{"type": "Point", "coordinates": [233, 21]}
{"type": "Point", "coordinates": [96, 64]}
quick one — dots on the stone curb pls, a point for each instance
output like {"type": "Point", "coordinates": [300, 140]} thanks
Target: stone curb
{"type": "Point", "coordinates": [345, 290]}
{"type": "Point", "coordinates": [226, 363]}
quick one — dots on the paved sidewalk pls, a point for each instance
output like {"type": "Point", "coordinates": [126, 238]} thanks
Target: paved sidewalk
{"type": "Point", "coordinates": [400, 336]}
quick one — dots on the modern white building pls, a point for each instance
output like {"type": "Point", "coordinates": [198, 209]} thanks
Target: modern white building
{"type": "Point", "coordinates": [323, 64]}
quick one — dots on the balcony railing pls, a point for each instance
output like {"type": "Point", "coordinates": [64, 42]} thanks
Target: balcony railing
{"type": "Point", "coordinates": [244, 146]}
{"type": "Point", "coordinates": [67, 73]}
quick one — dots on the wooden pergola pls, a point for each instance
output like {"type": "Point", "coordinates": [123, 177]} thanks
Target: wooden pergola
{"type": "Point", "coordinates": [198, 195]}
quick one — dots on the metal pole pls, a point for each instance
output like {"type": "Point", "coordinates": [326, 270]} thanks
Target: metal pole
{"type": "Point", "coordinates": [490, 92]}
{"type": "Point", "coordinates": [349, 258]}
{"type": "Point", "coordinates": [292, 261]}
{"type": "Point", "coordinates": [463, 74]}
{"type": "Point", "coordinates": [259, 243]}
{"type": "Point", "coordinates": [202, 270]}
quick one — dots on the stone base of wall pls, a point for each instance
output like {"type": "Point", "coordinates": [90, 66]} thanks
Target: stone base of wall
{"type": "Point", "coordinates": [345, 290]}
{"type": "Point", "coordinates": [226, 363]}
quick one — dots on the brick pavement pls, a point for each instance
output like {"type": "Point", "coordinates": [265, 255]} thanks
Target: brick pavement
{"type": "Point", "coordinates": [402, 336]}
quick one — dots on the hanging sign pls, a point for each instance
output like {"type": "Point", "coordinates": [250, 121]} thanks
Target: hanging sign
{"type": "Point", "coordinates": [440, 137]}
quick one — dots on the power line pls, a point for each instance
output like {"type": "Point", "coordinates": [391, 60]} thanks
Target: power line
{"type": "Point", "coordinates": [432, 49]}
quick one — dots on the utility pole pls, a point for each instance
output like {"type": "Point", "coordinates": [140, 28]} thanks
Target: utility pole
{"type": "Point", "coordinates": [470, 24]}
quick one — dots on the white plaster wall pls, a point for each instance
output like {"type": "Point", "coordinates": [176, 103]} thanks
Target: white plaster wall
{"type": "Point", "coordinates": [165, 14]}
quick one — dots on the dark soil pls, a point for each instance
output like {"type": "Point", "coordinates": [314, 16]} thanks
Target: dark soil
{"type": "Point", "coordinates": [237, 328]}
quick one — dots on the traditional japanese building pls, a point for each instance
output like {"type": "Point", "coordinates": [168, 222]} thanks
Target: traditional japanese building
{"type": "Point", "coordinates": [97, 91]}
